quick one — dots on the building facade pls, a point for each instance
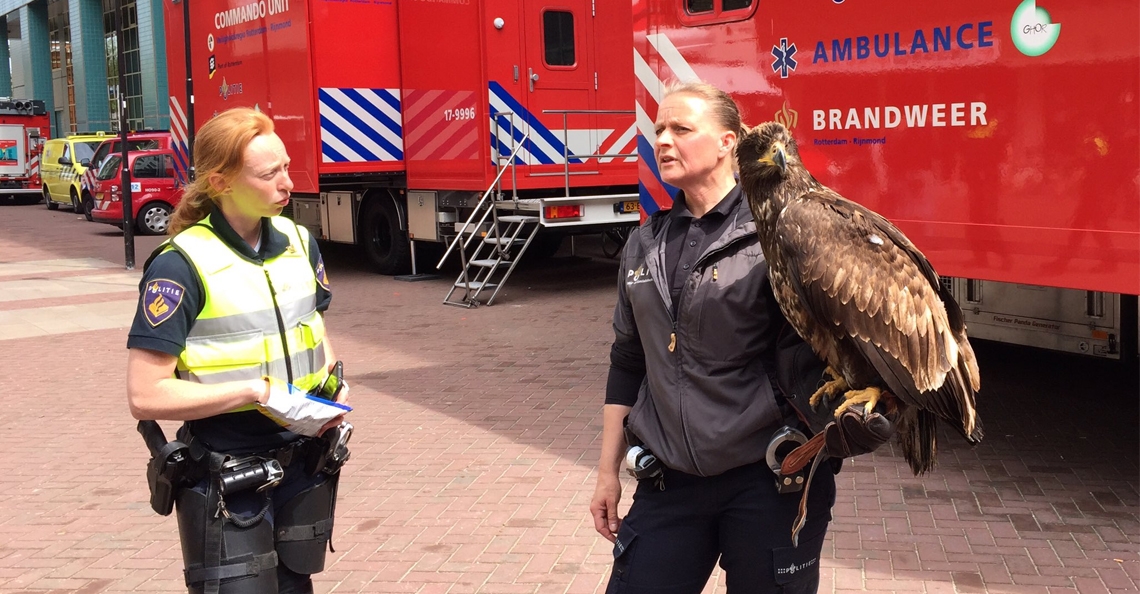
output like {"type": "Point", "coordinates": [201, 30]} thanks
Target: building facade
{"type": "Point", "coordinates": [65, 52]}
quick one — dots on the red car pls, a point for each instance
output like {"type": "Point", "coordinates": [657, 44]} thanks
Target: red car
{"type": "Point", "coordinates": [154, 193]}
{"type": "Point", "coordinates": [136, 141]}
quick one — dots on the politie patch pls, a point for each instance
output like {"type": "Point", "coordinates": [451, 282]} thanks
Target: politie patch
{"type": "Point", "coordinates": [161, 299]}
{"type": "Point", "coordinates": [322, 276]}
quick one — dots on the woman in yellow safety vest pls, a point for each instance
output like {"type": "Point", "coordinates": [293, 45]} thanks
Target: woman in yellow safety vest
{"type": "Point", "coordinates": [230, 316]}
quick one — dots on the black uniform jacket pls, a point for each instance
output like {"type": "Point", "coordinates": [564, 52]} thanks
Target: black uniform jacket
{"type": "Point", "coordinates": [710, 399]}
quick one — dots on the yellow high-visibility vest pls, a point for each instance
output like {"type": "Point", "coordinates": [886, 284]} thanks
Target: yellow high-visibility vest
{"type": "Point", "coordinates": [257, 320]}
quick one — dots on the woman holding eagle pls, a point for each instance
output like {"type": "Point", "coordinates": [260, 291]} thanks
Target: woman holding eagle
{"type": "Point", "coordinates": [706, 369]}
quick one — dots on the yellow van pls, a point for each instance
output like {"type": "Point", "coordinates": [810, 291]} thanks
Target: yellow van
{"type": "Point", "coordinates": [62, 165]}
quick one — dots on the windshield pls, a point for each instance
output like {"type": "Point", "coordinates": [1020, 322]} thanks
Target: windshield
{"type": "Point", "coordinates": [101, 153]}
{"type": "Point", "coordinates": [112, 146]}
{"type": "Point", "coordinates": [110, 167]}
{"type": "Point", "coordinates": [85, 150]}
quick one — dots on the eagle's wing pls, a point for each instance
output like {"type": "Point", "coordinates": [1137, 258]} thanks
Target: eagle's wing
{"type": "Point", "coordinates": [858, 273]}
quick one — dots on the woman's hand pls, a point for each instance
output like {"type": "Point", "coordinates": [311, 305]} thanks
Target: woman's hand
{"type": "Point", "coordinates": [604, 505]}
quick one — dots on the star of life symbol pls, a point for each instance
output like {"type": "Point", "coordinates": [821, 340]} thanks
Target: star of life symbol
{"type": "Point", "coordinates": [785, 57]}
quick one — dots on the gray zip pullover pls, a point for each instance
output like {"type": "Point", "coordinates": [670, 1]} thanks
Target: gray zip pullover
{"type": "Point", "coordinates": [707, 403]}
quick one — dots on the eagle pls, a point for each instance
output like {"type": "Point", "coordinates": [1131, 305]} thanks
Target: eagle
{"type": "Point", "coordinates": [863, 297]}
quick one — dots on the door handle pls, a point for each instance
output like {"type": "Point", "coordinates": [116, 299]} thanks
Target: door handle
{"type": "Point", "coordinates": [533, 76]}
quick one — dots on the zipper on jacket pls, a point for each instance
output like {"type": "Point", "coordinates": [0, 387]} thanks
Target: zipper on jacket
{"type": "Point", "coordinates": [714, 273]}
{"type": "Point", "coordinates": [280, 328]}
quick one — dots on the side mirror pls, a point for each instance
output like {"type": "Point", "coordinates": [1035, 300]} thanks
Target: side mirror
{"type": "Point", "coordinates": [64, 161]}
{"type": "Point", "coordinates": [85, 162]}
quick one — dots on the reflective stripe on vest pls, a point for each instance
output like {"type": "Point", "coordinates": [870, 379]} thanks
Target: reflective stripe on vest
{"type": "Point", "coordinates": [253, 314]}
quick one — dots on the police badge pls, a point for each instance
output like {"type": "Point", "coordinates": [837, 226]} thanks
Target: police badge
{"type": "Point", "coordinates": [161, 299]}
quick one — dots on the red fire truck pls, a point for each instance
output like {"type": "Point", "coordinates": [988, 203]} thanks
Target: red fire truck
{"type": "Point", "coordinates": [24, 127]}
{"type": "Point", "coordinates": [448, 119]}
{"type": "Point", "coordinates": [1000, 136]}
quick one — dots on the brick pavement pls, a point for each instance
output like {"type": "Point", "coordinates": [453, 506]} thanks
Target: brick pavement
{"type": "Point", "coordinates": [477, 436]}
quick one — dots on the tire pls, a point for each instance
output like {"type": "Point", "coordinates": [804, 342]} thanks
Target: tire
{"type": "Point", "coordinates": [48, 201]}
{"type": "Point", "coordinates": [153, 218]}
{"type": "Point", "coordinates": [384, 243]}
{"type": "Point", "coordinates": [613, 240]}
{"type": "Point", "coordinates": [76, 205]}
{"type": "Point", "coordinates": [88, 207]}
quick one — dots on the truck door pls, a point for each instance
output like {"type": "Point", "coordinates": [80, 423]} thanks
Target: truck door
{"type": "Point", "coordinates": [559, 75]}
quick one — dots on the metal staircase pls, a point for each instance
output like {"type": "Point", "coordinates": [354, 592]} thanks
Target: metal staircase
{"type": "Point", "coordinates": [505, 241]}
{"type": "Point", "coordinates": [504, 238]}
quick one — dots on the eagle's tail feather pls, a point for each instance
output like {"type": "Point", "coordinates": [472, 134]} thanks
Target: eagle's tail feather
{"type": "Point", "coordinates": [918, 438]}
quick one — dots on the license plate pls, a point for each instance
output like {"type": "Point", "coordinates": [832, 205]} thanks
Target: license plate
{"type": "Point", "coordinates": [627, 206]}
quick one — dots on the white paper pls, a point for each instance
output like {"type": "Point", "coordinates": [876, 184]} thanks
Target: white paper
{"type": "Point", "coordinates": [301, 413]}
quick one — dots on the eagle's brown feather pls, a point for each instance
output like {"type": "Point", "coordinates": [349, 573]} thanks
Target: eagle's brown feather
{"type": "Point", "coordinates": [862, 295]}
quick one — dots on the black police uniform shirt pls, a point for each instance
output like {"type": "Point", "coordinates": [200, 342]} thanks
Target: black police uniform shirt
{"type": "Point", "coordinates": [686, 239]}
{"type": "Point", "coordinates": [242, 432]}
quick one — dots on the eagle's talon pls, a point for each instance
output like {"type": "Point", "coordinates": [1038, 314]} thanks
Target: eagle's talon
{"type": "Point", "coordinates": [868, 397]}
{"type": "Point", "coordinates": [831, 388]}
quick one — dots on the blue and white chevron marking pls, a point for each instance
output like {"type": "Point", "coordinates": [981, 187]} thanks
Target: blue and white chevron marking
{"type": "Point", "coordinates": [542, 148]}
{"type": "Point", "coordinates": [360, 125]}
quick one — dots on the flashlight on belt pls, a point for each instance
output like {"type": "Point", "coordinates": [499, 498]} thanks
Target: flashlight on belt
{"type": "Point", "coordinates": [240, 474]}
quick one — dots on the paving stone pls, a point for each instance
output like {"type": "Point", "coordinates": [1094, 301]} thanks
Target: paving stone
{"type": "Point", "coordinates": [477, 436]}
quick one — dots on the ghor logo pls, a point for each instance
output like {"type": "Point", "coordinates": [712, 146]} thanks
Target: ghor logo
{"type": "Point", "coordinates": [1032, 29]}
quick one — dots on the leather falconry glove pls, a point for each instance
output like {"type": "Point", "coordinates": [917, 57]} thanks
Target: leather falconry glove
{"type": "Point", "coordinates": [855, 433]}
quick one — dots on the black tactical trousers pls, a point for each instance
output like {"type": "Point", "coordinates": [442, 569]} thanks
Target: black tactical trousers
{"type": "Point", "coordinates": [671, 540]}
{"type": "Point", "coordinates": [247, 504]}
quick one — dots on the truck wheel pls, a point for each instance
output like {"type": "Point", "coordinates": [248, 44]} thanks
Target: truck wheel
{"type": "Point", "coordinates": [385, 244]}
{"type": "Point", "coordinates": [88, 206]}
{"type": "Point", "coordinates": [76, 206]}
{"type": "Point", "coordinates": [153, 218]}
{"type": "Point", "coordinates": [48, 201]}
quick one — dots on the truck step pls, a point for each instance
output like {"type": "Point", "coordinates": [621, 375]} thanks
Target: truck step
{"type": "Point", "coordinates": [518, 219]}
{"type": "Point", "coordinates": [476, 285]}
{"type": "Point", "coordinates": [500, 240]}
{"type": "Point", "coordinates": [485, 263]}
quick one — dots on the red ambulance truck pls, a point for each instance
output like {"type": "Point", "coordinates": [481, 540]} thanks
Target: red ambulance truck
{"type": "Point", "coordinates": [1000, 136]}
{"type": "Point", "coordinates": [24, 127]}
{"type": "Point", "coordinates": [398, 122]}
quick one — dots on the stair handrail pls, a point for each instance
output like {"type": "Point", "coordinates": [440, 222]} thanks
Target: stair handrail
{"type": "Point", "coordinates": [479, 206]}
{"type": "Point", "coordinates": [566, 156]}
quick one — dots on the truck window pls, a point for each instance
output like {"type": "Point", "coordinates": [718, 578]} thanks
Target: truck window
{"type": "Point", "coordinates": [85, 150]}
{"type": "Point", "coordinates": [558, 38]}
{"type": "Point", "coordinates": [109, 147]}
{"type": "Point", "coordinates": [101, 153]}
{"type": "Point", "coordinates": [148, 167]}
{"type": "Point", "coordinates": [110, 167]}
{"type": "Point", "coordinates": [708, 12]}
{"type": "Point", "coordinates": [698, 6]}
{"type": "Point", "coordinates": [66, 153]}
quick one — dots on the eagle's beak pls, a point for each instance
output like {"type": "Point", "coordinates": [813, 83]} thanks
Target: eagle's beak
{"type": "Point", "coordinates": [780, 158]}
{"type": "Point", "coordinates": [776, 157]}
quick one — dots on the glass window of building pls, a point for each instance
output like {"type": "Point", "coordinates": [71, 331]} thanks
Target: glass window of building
{"type": "Point", "coordinates": [132, 57]}
{"type": "Point", "coordinates": [59, 36]}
